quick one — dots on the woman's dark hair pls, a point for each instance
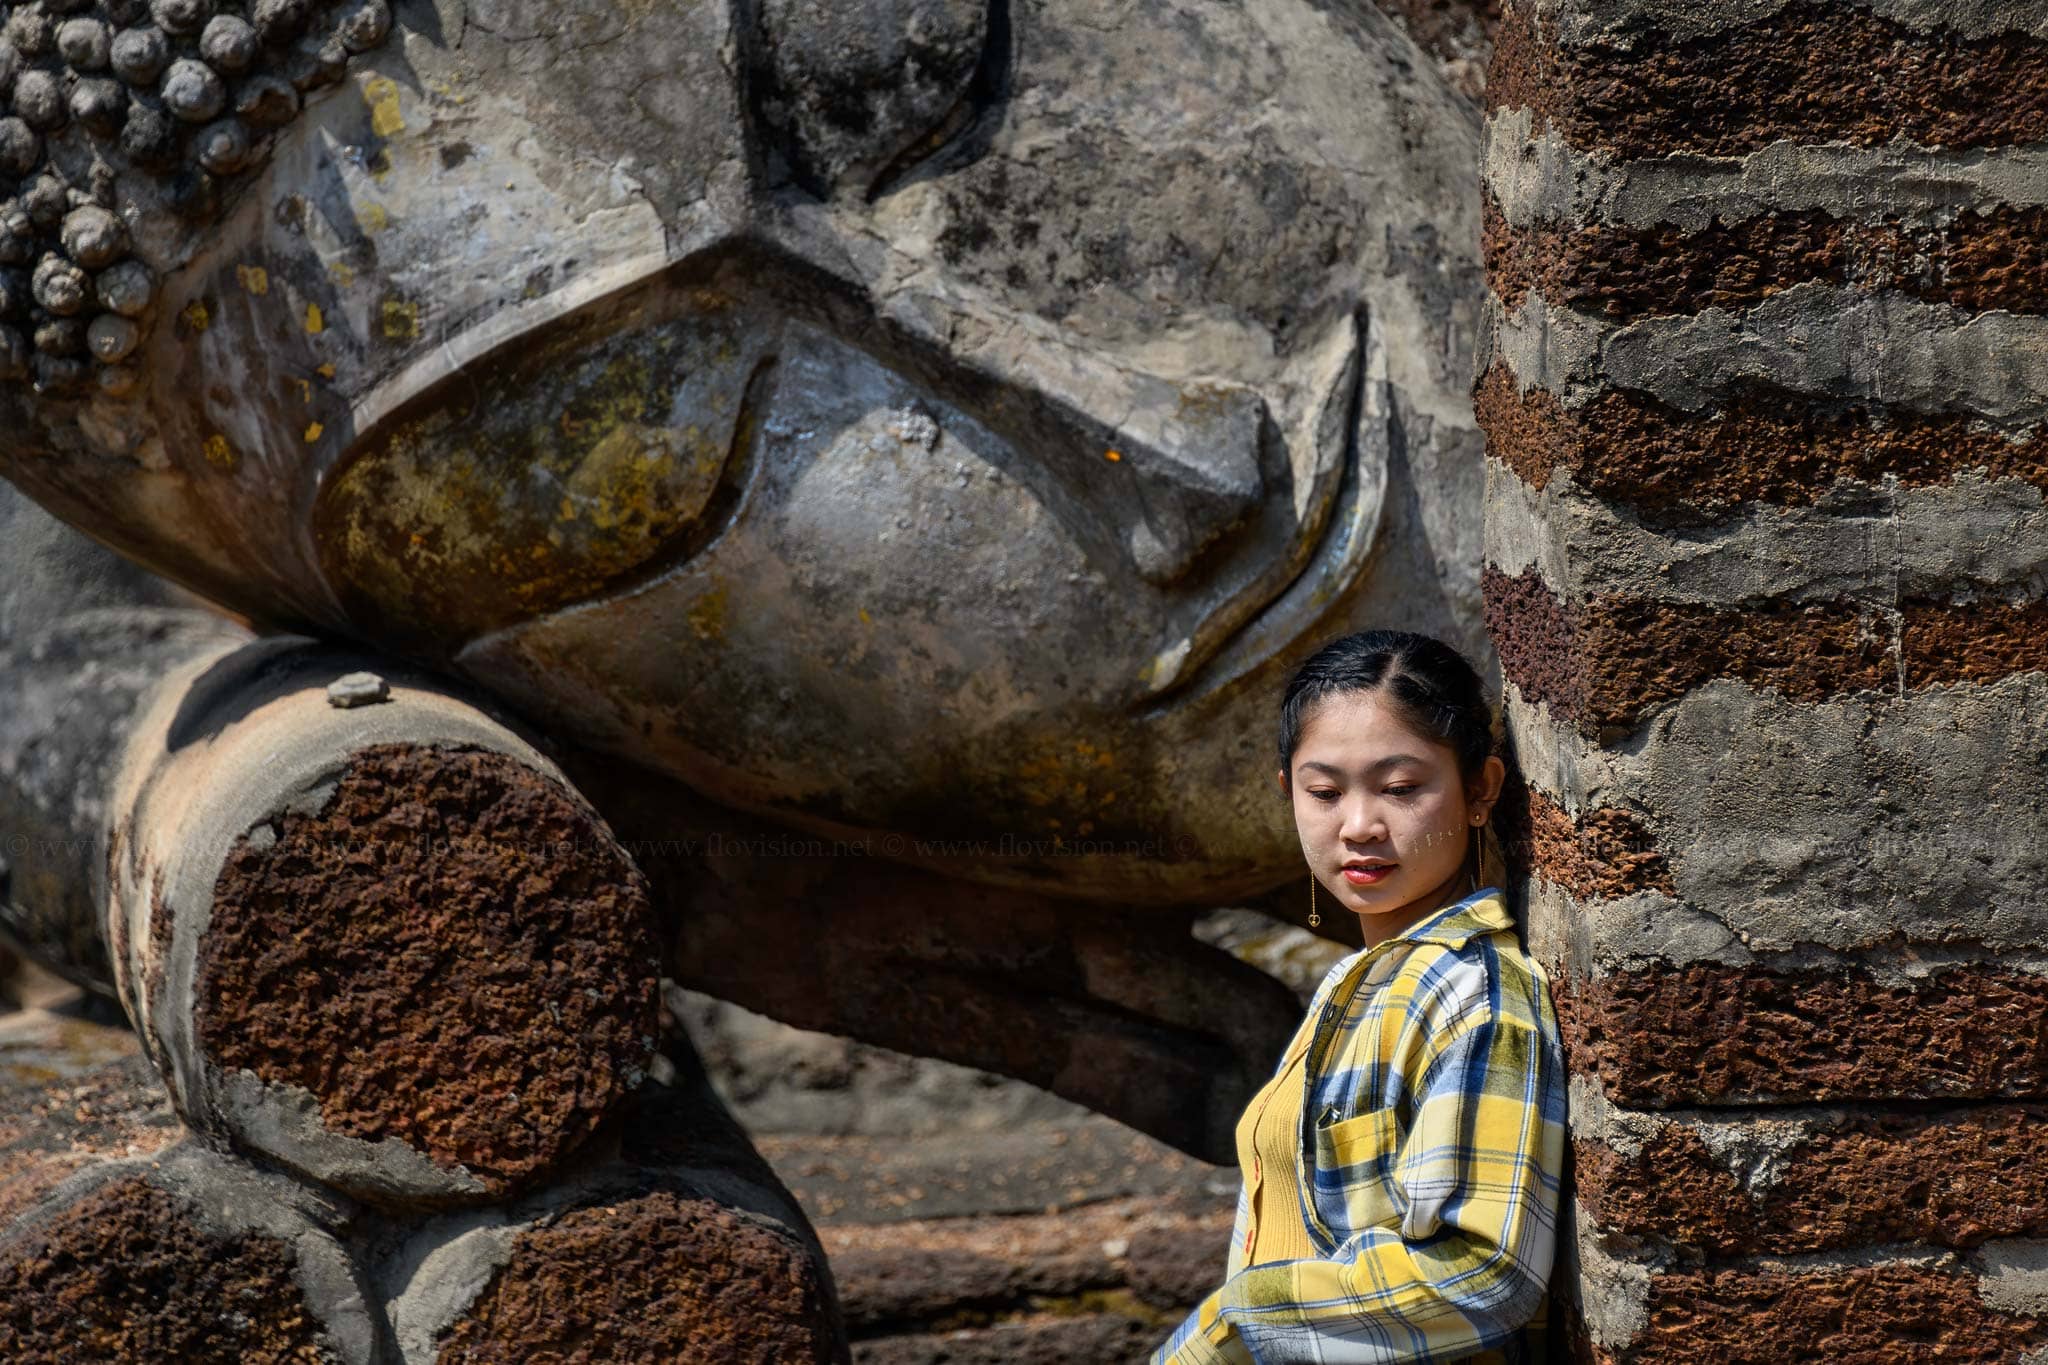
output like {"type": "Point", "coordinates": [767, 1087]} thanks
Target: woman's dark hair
{"type": "Point", "coordinates": [1431, 684]}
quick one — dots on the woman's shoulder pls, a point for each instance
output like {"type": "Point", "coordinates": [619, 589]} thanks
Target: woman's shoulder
{"type": "Point", "coordinates": [1465, 978]}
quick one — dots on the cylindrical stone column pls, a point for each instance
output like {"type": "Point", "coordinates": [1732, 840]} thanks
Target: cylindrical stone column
{"type": "Point", "coordinates": [374, 936]}
{"type": "Point", "coordinates": [1764, 398]}
{"type": "Point", "coordinates": [369, 931]}
{"type": "Point", "coordinates": [670, 1240]}
{"type": "Point", "coordinates": [122, 1238]}
{"type": "Point", "coordinates": [363, 928]}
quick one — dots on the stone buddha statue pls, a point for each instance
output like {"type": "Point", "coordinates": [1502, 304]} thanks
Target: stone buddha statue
{"type": "Point", "coordinates": [923, 431]}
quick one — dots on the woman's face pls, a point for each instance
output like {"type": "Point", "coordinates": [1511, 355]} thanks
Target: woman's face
{"type": "Point", "coordinates": [1384, 818]}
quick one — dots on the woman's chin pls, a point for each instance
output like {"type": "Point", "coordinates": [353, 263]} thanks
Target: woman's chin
{"type": "Point", "coordinates": [1374, 901]}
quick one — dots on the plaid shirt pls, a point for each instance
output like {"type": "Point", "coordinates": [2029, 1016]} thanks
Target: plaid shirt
{"type": "Point", "coordinates": [1431, 1149]}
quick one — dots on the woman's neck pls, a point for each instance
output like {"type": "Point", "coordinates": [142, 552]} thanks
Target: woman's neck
{"type": "Point", "coordinates": [1377, 929]}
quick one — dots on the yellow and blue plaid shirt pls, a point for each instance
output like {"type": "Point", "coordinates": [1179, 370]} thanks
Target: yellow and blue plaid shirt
{"type": "Point", "coordinates": [1431, 1147]}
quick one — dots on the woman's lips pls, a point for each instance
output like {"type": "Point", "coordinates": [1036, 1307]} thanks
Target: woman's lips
{"type": "Point", "coordinates": [1367, 876]}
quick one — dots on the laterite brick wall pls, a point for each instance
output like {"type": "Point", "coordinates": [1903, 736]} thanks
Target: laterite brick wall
{"type": "Point", "coordinates": [1764, 395]}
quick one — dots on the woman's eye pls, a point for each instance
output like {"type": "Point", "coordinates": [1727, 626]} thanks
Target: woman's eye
{"type": "Point", "coordinates": [1404, 789]}
{"type": "Point", "coordinates": [1324, 795]}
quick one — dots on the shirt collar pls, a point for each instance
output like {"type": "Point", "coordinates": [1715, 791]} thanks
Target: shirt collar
{"type": "Point", "coordinates": [1452, 926]}
{"type": "Point", "coordinates": [1481, 912]}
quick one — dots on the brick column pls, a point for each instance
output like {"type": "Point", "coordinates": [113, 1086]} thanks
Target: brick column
{"type": "Point", "coordinates": [1767, 548]}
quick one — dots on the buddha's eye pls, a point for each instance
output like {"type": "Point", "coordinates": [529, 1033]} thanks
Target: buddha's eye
{"type": "Point", "coordinates": [856, 93]}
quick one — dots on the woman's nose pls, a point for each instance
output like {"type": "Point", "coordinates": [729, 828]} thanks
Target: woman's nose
{"type": "Point", "coordinates": [1363, 824]}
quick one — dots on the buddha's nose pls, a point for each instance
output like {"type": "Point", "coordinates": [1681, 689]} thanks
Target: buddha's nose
{"type": "Point", "coordinates": [856, 97]}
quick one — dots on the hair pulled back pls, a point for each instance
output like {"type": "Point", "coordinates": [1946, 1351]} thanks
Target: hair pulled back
{"type": "Point", "coordinates": [1432, 685]}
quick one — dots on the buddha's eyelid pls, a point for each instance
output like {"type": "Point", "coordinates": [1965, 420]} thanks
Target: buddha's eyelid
{"type": "Point", "coordinates": [1149, 469]}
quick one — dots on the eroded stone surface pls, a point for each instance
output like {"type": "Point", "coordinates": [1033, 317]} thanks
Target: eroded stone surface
{"type": "Point", "coordinates": [1952, 1179]}
{"type": "Point", "coordinates": [1821, 802]}
{"type": "Point", "coordinates": [1611, 661]}
{"type": "Point", "coordinates": [1603, 852]}
{"type": "Point", "coordinates": [1976, 261]}
{"type": "Point", "coordinates": [128, 1272]}
{"type": "Point", "coordinates": [1762, 445]}
{"type": "Point", "coordinates": [1703, 1034]}
{"type": "Point", "coordinates": [451, 952]}
{"type": "Point", "coordinates": [1808, 72]}
{"type": "Point", "coordinates": [662, 1276]}
{"type": "Point", "coordinates": [1883, 1315]}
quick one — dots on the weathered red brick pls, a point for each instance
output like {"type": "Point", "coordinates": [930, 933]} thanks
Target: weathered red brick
{"type": "Point", "coordinates": [1811, 72]}
{"type": "Point", "coordinates": [1869, 1315]}
{"type": "Point", "coordinates": [1955, 1179]}
{"type": "Point", "coordinates": [130, 1273]}
{"type": "Point", "coordinates": [1709, 1034]}
{"type": "Point", "coordinates": [1610, 661]}
{"type": "Point", "coordinates": [1605, 852]}
{"type": "Point", "coordinates": [1975, 262]}
{"type": "Point", "coordinates": [662, 1276]}
{"type": "Point", "coordinates": [1761, 445]}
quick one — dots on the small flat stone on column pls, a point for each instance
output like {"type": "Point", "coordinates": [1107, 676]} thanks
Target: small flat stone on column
{"type": "Point", "coordinates": [357, 689]}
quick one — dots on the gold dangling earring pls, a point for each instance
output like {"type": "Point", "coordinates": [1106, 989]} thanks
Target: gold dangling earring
{"type": "Point", "coordinates": [1313, 918]}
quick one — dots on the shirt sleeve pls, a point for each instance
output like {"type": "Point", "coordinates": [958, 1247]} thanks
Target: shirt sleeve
{"type": "Point", "coordinates": [1477, 1178]}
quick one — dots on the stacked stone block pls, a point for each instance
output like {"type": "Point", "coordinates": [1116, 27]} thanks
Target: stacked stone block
{"type": "Point", "coordinates": [1764, 393]}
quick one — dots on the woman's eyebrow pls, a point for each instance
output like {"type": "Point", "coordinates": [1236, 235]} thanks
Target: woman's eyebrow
{"type": "Point", "coordinates": [1389, 761]}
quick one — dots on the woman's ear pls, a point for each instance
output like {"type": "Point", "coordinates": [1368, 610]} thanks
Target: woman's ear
{"type": "Point", "coordinates": [1491, 779]}
{"type": "Point", "coordinates": [1281, 775]}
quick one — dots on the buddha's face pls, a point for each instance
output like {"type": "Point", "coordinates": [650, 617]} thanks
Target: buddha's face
{"type": "Point", "coordinates": [936, 421]}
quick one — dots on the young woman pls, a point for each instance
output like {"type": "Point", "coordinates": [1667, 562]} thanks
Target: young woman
{"type": "Point", "coordinates": [1400, 1195]}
